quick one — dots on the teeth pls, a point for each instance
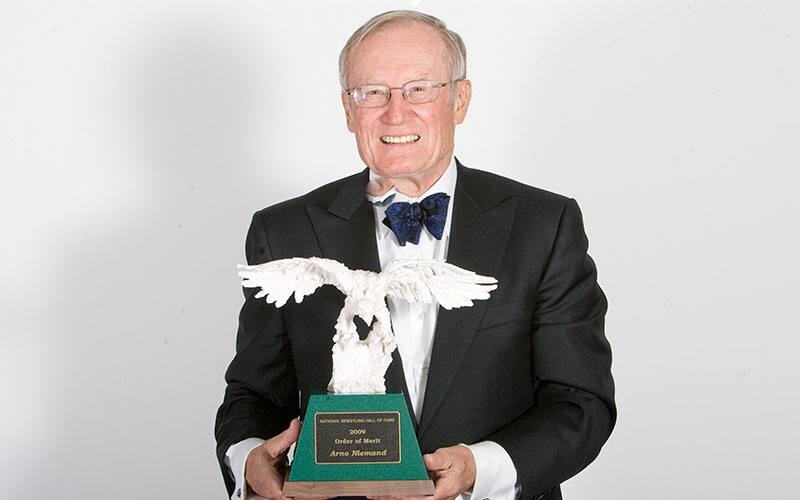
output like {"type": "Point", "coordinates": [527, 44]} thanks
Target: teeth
{"type": "Point", "coordinates": [399, 139]}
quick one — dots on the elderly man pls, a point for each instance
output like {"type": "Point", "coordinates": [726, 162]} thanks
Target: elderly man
{"type": "Point", "coordinates": [510, 397]}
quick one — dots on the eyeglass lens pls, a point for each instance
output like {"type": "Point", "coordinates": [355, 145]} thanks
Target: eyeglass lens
{"type": "Point", "coordinates": [373, 96]}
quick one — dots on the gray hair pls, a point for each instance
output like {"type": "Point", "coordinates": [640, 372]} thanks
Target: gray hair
{"type": "Point", "coordinates": [455, 45]}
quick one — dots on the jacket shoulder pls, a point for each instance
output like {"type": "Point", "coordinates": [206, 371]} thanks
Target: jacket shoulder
{"type": "Point", "coordinates": [320, 197]}
{"type": "Point", "coordinates": [530, 197]}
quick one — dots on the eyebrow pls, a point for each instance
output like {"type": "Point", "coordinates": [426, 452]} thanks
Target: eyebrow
{"type": "Point", "coordinates": [425, 76]}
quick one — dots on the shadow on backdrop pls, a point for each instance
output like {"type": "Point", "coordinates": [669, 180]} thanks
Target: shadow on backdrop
{"type": "Point", "coordinates": [149, 324]}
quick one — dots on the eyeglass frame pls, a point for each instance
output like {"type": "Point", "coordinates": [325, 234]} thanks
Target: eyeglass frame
{"type": "Point", "coordinates": [350, 92]}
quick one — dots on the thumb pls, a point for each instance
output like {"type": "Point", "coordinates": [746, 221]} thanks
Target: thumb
{"type": "Point", "coordinates": [280, 443]}
{"type": "Point", "coordinates": [436, 461]}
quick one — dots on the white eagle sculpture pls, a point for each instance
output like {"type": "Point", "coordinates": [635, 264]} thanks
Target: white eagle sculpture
{"type": "Point", "coordinates": [359, 366]}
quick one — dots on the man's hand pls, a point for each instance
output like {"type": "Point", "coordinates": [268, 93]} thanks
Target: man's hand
{"type": "Point", "coordinates": [266, 464]}
{"type": "Point", "coordinates": [452, 470]}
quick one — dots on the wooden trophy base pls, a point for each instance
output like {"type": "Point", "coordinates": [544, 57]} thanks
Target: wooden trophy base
{"type": "Point", "coordinates": [357, 488]}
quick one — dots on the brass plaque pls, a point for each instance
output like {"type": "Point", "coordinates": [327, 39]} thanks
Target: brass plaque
{"type": "Point", "coordinates": [357, 437]}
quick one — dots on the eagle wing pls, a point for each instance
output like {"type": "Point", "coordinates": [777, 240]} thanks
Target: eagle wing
{"type": "Point", "coordinates": [279, 279]}
{"type": "Point", "coordinates": [432, 281]}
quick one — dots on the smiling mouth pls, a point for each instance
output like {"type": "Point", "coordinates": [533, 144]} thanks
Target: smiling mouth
{"type": "Point", "coordinates": [399, 139]}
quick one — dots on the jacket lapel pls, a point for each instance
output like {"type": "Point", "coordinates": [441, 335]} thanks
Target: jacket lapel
{"type": "Point", "coordinates": [345, 230]}
{"type": "Point", "coordinates": [482, 220]}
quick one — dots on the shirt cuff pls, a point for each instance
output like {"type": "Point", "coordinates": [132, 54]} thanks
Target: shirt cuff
{"type": "Point", "coordinates": [235, 459]}
{"type": "Point", "coordinates": [495, 474]}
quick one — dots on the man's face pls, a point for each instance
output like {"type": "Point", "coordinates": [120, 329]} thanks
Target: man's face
{"type": "Point", "coordinates": [393, 56]}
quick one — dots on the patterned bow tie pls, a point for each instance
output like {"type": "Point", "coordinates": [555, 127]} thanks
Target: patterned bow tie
{"type": "Point", "coordinates": [406, 219]}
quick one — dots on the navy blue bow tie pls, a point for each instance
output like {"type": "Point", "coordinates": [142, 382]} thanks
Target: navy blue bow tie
{"type": "Point", "coordinates": [406, 219]}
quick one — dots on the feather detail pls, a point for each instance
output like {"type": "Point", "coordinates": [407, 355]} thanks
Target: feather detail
{"type": "Point", "coordinates": [280, 279]}
{"type": "Point", "coordinates": [430, 281]}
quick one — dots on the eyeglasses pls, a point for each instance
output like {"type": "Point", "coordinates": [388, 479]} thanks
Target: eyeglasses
{"type": "Point", "coordinates": [416, 92]}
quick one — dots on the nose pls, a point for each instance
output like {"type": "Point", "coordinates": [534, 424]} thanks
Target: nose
{"type": "Point", "coordinates": [396, 109]}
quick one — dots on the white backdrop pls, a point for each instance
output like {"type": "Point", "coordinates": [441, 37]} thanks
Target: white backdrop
{"type": "Point", "coordinates": [136, 139]}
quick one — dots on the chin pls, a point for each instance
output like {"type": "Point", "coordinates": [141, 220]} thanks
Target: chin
{"type": "Point", "coordinates": [396, 168]}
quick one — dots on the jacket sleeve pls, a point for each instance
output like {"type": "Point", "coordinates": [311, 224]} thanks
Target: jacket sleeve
{"type": "Point", "coordinates": [261, 396]}
{"type": "Point", "coordinates": [573, 411]}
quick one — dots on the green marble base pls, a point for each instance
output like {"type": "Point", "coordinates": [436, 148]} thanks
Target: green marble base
{"type": "Point", "coordinates": [357, 444]}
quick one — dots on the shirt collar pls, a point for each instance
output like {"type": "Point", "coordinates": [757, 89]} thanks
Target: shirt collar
{"type": "Point", "coordinates": [445, 184]}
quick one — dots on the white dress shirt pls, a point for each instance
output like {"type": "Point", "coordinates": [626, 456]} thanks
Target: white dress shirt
{"type": "Point", "coordinates": [414, 325]}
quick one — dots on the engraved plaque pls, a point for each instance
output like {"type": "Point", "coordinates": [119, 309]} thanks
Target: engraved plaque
{"type": "Point", "coordinates": [357, 445]}
{"type": "Point", "coordinates": [357, 437]}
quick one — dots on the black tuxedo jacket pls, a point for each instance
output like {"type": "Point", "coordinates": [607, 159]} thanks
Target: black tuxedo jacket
{"type": "Point", "coordinates": [528, 369]}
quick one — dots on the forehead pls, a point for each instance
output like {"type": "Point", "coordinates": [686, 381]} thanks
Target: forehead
{"type": "Point", "coordinates": [398, 53]}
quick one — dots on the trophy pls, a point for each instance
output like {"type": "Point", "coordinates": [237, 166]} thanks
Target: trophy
{"type": "Point", "coordinates": [358, 440]}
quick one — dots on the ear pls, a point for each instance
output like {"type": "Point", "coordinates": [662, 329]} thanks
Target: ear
{"type": "Point", "coordinates": [463, 96]}
{"type": "Point", "coordinates": [348, 112]}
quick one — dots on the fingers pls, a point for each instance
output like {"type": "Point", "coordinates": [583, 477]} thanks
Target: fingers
{"type": "Point", "coordinates": [264, 478]}
{"type": "Point", "coordinates": [452, 470]}
{"type": "Point", "coordinates": [279, 444]}
{"type": "Point", "coordinates": [446, 488]}
{"type": "Point", "coordinates": [437, 461]}
{"type": "Point", "coordinates": [266, 465]}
